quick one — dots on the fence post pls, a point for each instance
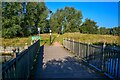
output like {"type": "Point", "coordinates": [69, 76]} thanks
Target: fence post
{"type": "Point", "coordinates": [103, 56]}
{"type": "Point", "coordinates": [73, 46]}
{"type": "Point", "coordinates": [63, 42]}
{"type": "Point", "coordinates": [79, 49]}
{"type": "Point", "coordinates": [69, 43]}
{"type": "Point", "coordinates": [66, 43]}
{"type": "Point", "coordinates": [87, 53]}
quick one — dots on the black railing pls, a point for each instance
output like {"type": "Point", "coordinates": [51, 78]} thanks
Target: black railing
{"type": "Point", "coordinates": [105, 59]}
{"type": "Point", "coordinates": [20, 67]}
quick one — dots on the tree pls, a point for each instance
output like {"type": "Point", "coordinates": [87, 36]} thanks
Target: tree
{"type": "Point", "coordinates": [102, 30]}
{"type": "Point", "coordinates": [115, 31]}
{"type": "Point", "coordinates": [0, 19]}
{"type": "Point", "coordinates": [36, 16]}
{"type": "Point", "coordinates": [89, 26]}
{"type": "Point", "coordinates": [10, 19]}
{"type": "Point", "coordinates": [42, 14]}
{"type": "Point", "coordinates": [69, 18]}
{"type": "Point", "coordinates": [22, 19]}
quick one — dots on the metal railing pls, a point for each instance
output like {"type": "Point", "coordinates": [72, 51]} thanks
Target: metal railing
{"type": "Point", "coordinates": [105, 59]}
{"type": "Point", "coordinates": [19, 68]}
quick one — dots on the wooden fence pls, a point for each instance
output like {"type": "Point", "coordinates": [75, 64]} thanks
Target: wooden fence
{"type": "Point", "coordinates": [105, 59]}
{"type": "Point", "coordinates": [20, 67]}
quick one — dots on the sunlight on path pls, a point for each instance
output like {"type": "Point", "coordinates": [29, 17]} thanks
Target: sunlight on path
{"type": "Point", "coordinates": [59, 63]}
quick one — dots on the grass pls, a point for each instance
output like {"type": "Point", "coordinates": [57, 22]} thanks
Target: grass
{"type": "Point", "coordinates": [91, 38]}
{"type": "Point", "coordinates": [84, 38]}
{"type": "Point", "coordinates": [16, 41]}
{"type": "Point", "coordinates": [21, 41]}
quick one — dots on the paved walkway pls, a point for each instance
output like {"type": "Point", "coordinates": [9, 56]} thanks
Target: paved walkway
{"type": "Point", "coordinates": [59, 63]}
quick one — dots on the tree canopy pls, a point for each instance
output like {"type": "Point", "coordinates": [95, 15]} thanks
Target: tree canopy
{"type": "Point", "coordinates": [89, 26]}
{"type": "Point", "coordinates": [20, 19]}
{"type": "Point", "coordinates": [68, 18]}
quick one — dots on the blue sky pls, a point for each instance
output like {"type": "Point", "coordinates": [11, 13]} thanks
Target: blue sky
{"type": "Point", "coordinates": [104, 13]}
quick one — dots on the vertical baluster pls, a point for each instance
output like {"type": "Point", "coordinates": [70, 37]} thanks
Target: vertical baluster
{"type": "Point", "coordinates": [14, 69]}
{"type": "Point", "coordinates": [85, 51]}
{"type": "Point", "coordinates": [104, 58]}
{"type": "Point", "coordinates": [67, 44]}
{"type": "Point", "coordinates": [63, 41]}
{"type": "Point", "coordinates": [106, 61]}
{"type": "Point", "coordinates": [70, 45]}
{"type": "Point", "coordinates": [88, 52]}
{"type": "Point", "coordinates": [8, 77]}
{"type": "Point", "coordinates": [73, 45]}
{"type": "Point", "coordinates": [114, 63]}
{"type": "Point", "coordinates": [11, 72]}
{"type": "Point", "coordinates": [118, 68]}
{"type": "Point", "coordinates": [109, 62]}
{"type": "Point", "coordinates": [79, 49]}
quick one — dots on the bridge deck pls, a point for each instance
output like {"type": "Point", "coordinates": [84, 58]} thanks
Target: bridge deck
{"type": "Point", "coordinates": [59, 63]}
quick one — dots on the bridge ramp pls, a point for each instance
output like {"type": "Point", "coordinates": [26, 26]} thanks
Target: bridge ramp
{"type": "Point", "coordinates": [60, 63]}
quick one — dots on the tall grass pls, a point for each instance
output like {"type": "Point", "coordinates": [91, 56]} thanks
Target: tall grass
{"type": "Point", "coordinates": [91, 38]}
{"type": "Point", "coordinates": [84, 38]}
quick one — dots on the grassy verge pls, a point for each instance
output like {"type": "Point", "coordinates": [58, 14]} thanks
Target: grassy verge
{"type": "Point", "coordinates": [21, 41]}
{"type": "Point", "coordinates": [91, 38]}
{"type": "Point", "coordinates": [16, 41]}
{"type": "Point", "coordinates": [84, 38]}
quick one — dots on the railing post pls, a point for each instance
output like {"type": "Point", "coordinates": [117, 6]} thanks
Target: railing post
{"type": "Point", "coordinates": [67, 43]}
{"type": "Point", "coordinates": [73, 46]}
{"type": "Point", "coordinates": [87, 53]}
{"type": "Point", "coordinates": [63, 41]}
{"type": "Point", "coordinates": [79, 48]}
{"type": "Point", "coordinates": [103, 56]}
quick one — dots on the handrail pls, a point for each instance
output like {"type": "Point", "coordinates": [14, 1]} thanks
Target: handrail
{"type": "Point", "coordinates": [19, 67]}
{"type": "Point", "coordinates": [105, 59]}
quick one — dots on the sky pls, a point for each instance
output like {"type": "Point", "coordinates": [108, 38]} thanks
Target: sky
{"type": "Point", "coordinates": [104, 13]}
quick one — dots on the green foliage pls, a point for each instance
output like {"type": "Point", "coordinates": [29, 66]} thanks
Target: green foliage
{"type": "Point", "coordinates": [102, 30]}
{"type": "Point", "coordinates": [68, 17]}
{"type": "Point", "coordinates": [111, 31]}
{"type": "Point", "coordinates": [115, 31]}
{"type": "Point", "coordinates": [10, 19]}
{"type": "Point", "coordinates": [89, 26]}
{"type": "Point", "coordinates": [42, 14]}
{"type": "Point", "coordinates": [18, 22]}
